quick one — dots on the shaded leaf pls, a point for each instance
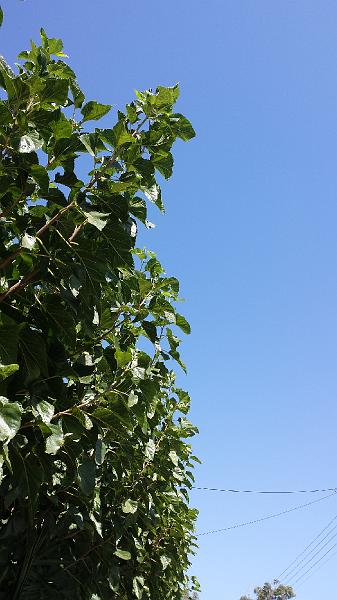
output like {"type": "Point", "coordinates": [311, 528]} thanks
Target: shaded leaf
{"type": "Point", "coordinates": [87, 474]}
{"type": "Point", "coordinates": [129, 506]}
{"type": "Point", "coordinates": [94, 110]}
{"type": "Point", "coordinates": [55, 440]}
{"type": "Point", "coordinates": [10, 419]}
{"type": "Point", "coordinates": [7, 370]}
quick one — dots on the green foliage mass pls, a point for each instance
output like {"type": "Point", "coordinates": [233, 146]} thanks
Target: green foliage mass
{"type": "Point", "coordinates": [95, 460]}
{"type": "Point", "coordinates": [275, 591]}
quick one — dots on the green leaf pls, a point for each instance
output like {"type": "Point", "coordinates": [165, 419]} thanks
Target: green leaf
{"type": "Point", "coordinates": [1, 16]}
{"type": "Point", "coordinates": [100, 452]}
{"type": "Point", "coordinates": [97, 219]}
{"type": "Point", "coordinates": [62, 128]}
{"type": "Point", "coordinates": [123, 358]}
{"type": "Point", "coordinates": [150, 330]}
{"type": "Point", "coordinates": [132, 399]}
{"type": "Point", "coordinates": [86, 141]}
{"type": "Point", "coordinates": [150, 450]}
{"type": "Point", "coordinates": [5, 115]}
{"type": "Point", "coordinates": [30, 143]}
{"type": "Point", "coordinates": [40, 176]}
{"type": "Point", "coordinates": [87, 474]}
{"type": "Point", "coordinates": [44, 410]}
{"type": "Point", "coordinates": [154, 195]}
{"type": "Point", "coordinates": [121, 135]}
{"type": "Point", "coordinates": [94, 111]}
{"type": "Point", "coordinates": [33, 351]}
{"type": "Point", "coordinates": [28, 241]}
{"type": "Point", "coordinates": [129, 506]}
{"type": "Point", "coordinates": [165, 561]}
{"type": "Point", "coordinates": [10, 419]}
{"type": "Point", "coordinates": [9, 338]}
{"type": "Point", "coordinates": [55, 91]}
{"type": "Point", "coordinates": [137, 586]}
{"type": "Point", "coordinates": [182, 323]}
{"type": "Point", "coordinates": [137, 207]}
{"type": "Point", "coordinates": [82, 417]}
{"type": "Point", "coordinates": [7, 370]}
{"type": "Point", "coordinates": [123, 554]}
{"type": "Point", "coordinates": [182, 127]}
{"type": "Point", "coordinates": [56, 440]}
{"type": "Point", "coordinates": [60, 319]}
{"type": "Point", "coordinates": [77, 93]}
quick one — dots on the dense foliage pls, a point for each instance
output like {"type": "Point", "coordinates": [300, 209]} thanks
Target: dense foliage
{"type": "Point", "coordinates": [95, 466]}
{"type": "Point", "coordinates": [274, 591]}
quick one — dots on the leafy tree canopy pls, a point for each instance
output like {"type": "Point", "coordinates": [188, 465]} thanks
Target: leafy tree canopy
{"type": "Point", "coordinates": [94, 454]}
{"type": "Point", "coordinates": [275, 591]}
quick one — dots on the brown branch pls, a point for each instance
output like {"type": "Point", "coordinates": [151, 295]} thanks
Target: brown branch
{"type": "Point", "coordinates": [6, 261]}
{"type": "Point", "coordinates": [77, 231]}
{"type": "Point", "coordinates": [19, 285]}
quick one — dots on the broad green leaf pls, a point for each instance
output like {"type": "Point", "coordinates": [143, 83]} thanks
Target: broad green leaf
{"type": "Point", "coordinates": [56, 440]}
{"type": "Point", "coordinates": [150, 450]}
{"type": "Point", "coordinates": [173, 456]}
{"type": "Point", "coordinates": [30, 143]}
{"type": "Point", "coordinates": [28, 241]}
{"type": "Point", "coordinates": [130, 506]}
{"type": "Point", "coordinates": [7, 370]}
{"type": "Point", "coordinates": [182, 127]}
{"type": "Point", "coordinates": [150, 329]}
{"type": "Point", "coordinates": [121, 135]}
{"type": "Point", "coordinates": [55, 91]}
{"type": "Point", "coordinates": [165, 561]}
{"type": "Point", "coordinates": [100, 452]}
{"type": "Point", "coordinates": [137, 207]}
{"type": "Point", "coordinates": [33, 352]}
{"type": "Point", "coordinates": [94, 110]}
{"type": "Point", "coordinates": [132, 399]}
{"type": "Point", "coordinates": [82, 417]}
{"type": "Point", "coordinates": [9, 338]}
{"type": "Point", "coordinates": [123, 358]}
{"type": "Point", "coordinates": [87, 474]}
{"type": "Point", "coordinates": [123, 554]}
{"type": "Point", "coordinates": [97, 219]}
{"type": "Point", "coordinates": [61, 319]}
{"type": "Point", "coordinates": [137, 586]}
{"type": "Point", "coordinates": [40, 175]}
{"type": "Point", "coordinates": [182, 323]}
{"type": "Point", "coordinates": [44, 410]}
{"type": "Point", "coordinates": [10, 419]}
{"type": "Point", "coordinates": [62, 127]}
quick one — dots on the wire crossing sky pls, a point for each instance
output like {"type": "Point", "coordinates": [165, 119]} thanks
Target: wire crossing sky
{"type": "Point", "coordinates": [208, 489]}
{"type": "Point", "coordinates": [259, 520]}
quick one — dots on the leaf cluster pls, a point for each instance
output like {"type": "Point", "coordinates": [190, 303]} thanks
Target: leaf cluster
{"type": "Point", "coordinates": [95, 461]}
{"type": "Point", "coordinates": [272, 591]}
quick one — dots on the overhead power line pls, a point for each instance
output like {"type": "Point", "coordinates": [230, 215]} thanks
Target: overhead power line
{"type": "Point", "coordinates": [321, 565]}
{"type": "Point", "coordinates": [298, 571]}
{"type": "Point", "coordinates": [209, 489]}
{"type": "Point", "coordinates": [316, 563]}
{"type": "Point", "coordinates": [279, 577]}
{"type": "Point", "coordinates": [253, 522]}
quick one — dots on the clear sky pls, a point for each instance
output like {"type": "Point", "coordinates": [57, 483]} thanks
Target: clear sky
{"type": "Point", "coordinates": [250, 231]}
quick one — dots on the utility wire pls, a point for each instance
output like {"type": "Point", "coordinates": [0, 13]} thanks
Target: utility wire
{"type": "Point", "coordinates": [283, 512]}
{"type": "Point", "coordinates": [318, 569]}
{"type": "Point", "coordinates": [311, 559]}
{"type": "Point", "coordinates": [208, 489]}
{"type": "Point", "coordinates": [306, 548]}
{"type": "Point", "coordinates": [316, 563]}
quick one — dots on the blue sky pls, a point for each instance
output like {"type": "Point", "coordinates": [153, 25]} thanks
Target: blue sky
{"type": "Point", "coordinates": [250, 231]}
